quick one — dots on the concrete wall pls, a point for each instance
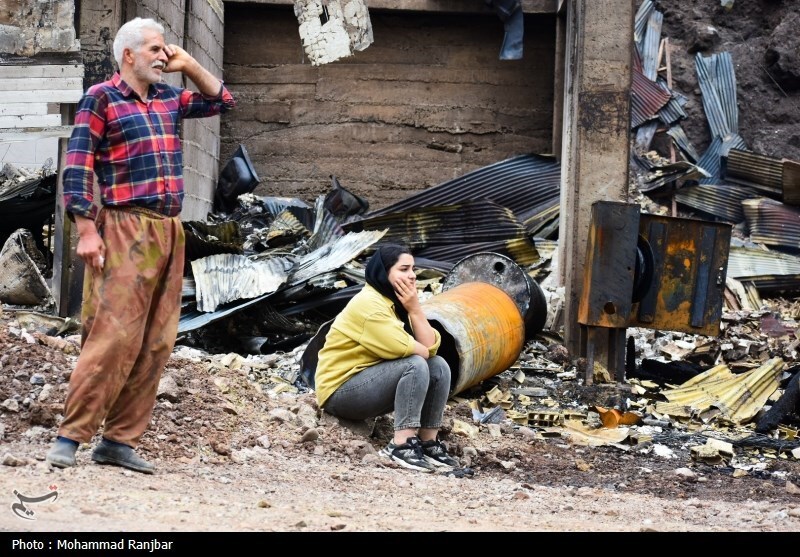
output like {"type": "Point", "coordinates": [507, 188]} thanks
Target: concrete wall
{"type": "Point", "coordinates": [428, 101]}
{"type": "Point", "coordinates": [204, 38]}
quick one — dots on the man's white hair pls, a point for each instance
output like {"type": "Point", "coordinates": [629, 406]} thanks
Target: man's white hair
{"type": "Point", "coordinates": [130, 36]}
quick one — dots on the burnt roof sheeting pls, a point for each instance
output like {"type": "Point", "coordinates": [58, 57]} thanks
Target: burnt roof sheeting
{"type": "Point", "coordinates": [718, 85]}
{"type": "Point", "coordinates": [736, 397]}
{"type": "Point", "coordinates": [333, 255]}
{"type": "Point", "coordinates": [522, 183]}
{"type": "Point", "coordinates": [448, 224]}
{"type": "Point", "coordinates": [652, 40]}
{"type": "Point", "coordinates": [683, 143]}
{"type": "Point", "coordinates": [671, 112]}
{"type": "Point", "coordinates": [640, 22]}
{"type": "Point", "coordinates": [194, 319]}
{"type": "Point", "coordinates": [710, 161]}
{"type": "Point", "coordinates": [545, 222]}
{"type": "Point", "coordinates": [647, 98]}
{"type": "Point", "coordinates": [521, 250]}
{"type": "Point", "coordinates": [767, 269]}
{"type": "Point", "coordinates": [644, 135]}
{"type": "Point", "coordinates": [657, 176]}
{"type": "Point", "coordinates": [772, 223]}
{"type": "Point", "coordinates": [751, 169]}
{"type": "Point", "coordinates": [226, 277]}
{"type": "Point", "coordinates": [723, 202]}
{"type": "Point", "coordinates": [326, 226]}
{"type": "Point", "coordinates": [791, 182]}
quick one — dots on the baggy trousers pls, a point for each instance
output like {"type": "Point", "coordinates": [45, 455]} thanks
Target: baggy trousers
{"type": "Point", "coordinates": [130, 320]}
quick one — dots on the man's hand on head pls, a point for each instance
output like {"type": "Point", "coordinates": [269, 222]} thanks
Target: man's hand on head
{"type": "Point", "coordinates": [178, 59]}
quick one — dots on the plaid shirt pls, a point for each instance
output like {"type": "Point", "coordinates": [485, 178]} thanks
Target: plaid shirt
{"type": "Point", "coordinates": [133, 146]}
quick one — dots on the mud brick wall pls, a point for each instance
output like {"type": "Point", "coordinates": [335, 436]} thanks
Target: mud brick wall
{"type": "Point", "coordinates": [428, 101]}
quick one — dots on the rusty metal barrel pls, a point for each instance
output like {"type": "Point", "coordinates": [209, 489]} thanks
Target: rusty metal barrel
{"type": "Point", "coordinates": [482, 329]}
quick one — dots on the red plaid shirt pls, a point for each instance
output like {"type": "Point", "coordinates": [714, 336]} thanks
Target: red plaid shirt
{"type": "Point", "coordinates": [132, 146]}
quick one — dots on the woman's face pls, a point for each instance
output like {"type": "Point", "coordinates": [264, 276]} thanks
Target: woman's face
{"type": "Point", "coordinates": [404, 268]}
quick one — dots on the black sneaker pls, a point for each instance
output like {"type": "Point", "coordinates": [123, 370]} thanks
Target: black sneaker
{"type": "Point", "coordinates": [408, 455]}
{"type": "Point", "coordinates": [436, 453]}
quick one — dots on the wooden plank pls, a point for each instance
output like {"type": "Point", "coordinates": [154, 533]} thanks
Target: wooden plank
{"type": "Point", "coordinates": [38, 83]}
{"type": "Point", "coordinates": [457, 6]}
{"type": "Point", "coordinates": [30, 121]}
{"type": "Point", "coordinates": [50, 96]}
{"type": "Point", "coordinates": [11, 109]}
{"type": "Point", "coordinates": [41, 71]}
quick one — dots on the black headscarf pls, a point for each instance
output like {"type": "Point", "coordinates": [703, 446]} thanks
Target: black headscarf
{"type": "Point", "coordinates": [377, 275]}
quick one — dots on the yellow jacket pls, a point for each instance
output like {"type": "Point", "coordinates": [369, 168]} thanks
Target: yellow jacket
{"type": "Point", "coordinates": [365, 333]}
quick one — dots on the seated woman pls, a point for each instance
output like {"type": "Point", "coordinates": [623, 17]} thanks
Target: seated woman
{"type": "Point", "coordinates": [380, 356]}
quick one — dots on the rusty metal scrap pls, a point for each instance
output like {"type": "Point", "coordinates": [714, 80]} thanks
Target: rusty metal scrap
{"type": "Point", "coordinates": [773, 223]}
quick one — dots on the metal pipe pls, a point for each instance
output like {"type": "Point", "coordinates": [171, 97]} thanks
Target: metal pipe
{"type": "Point", "coordinates": [482, 329]}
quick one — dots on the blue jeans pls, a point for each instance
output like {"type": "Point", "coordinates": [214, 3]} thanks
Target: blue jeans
{"type": "Point", "coordinates": [414, 388]}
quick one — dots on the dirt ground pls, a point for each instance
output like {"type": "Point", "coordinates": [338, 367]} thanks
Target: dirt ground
{"type": "Point", "coordinates": [239, 451]}
{"type": "Point", "coordinates": [238, 455]}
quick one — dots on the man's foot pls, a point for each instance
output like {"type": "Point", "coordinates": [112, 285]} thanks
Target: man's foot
{"type": "Point", "coordinates": [436, 453]}
{"type": "Point", "coordinates": [110, 452]}
{"type": "Point", "coordinates": [408, 455]}
{"type": "Point", "coordinates": [62, 453]}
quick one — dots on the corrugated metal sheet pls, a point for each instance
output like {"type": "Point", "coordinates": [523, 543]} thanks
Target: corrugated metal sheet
{"type": "Point", "coordinates": [767, 269]}
{"type": "Point", "coordinates": [640, 22]}
{"type": "Point", "coordinates": [226, 277]}
{"type": "Point", "coordinates": [652, 40]}
{"type": "Point", "coordinates": [717, 80]}
{"type": "Point", "coordinates": [751, 169]}
{"type": "Point", "coordinates": [658, 176]}
{"type": "Point", "coordinates": [772, 223]}
{"type": "Point", "coordinates": [791, 182]}
{"type": "Point", "coordinates": [644, 135]}
{"type": "Point", "coordinates": [647, 98]}
{"type": "Point", "coordinates": [333, 255]}
{"type": "Point", "coordinates": [723, 202]}
{"type": "Point", "coordinates": [451, 225]}
{"type": "Point", "coordinates": [710, 161]}
{"type": "Point", "coordinates": [326, 226]}
{"type": "Point", "coordinates": [521, 250]}
{"type": "Point", "coordinates": [523, 184]}
{"type": "Point", "coordinates": [738, 398]}
{"type": "Point", "coordinates": [683, 143]}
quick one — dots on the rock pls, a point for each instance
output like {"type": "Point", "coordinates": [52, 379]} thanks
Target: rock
{"type": "Point", "coordinates": [685, 473]}
{"type": "Point", "coordinates": [465, 429]}
{"type": "Point", "coordinates": [42, 415]}
{"type": "Point", "coordinates": [263, 441]}
{"type": "Point", "coordinates": [220, 446]}
{"type": "Point", "coordinates": [168, 389]}
{"type": "Point", "coordinates": [281, 415]}
{"type": "Point", "coordinates": [702, 37]}
{"type": "Point", "coordinates": [11, 460]}
{"type": "Point", "coordinates": [47, 390]}
{"type": "Point", "coordinates": [309, 436]}
{"type": "Point", "coordinates": [38, 379]}
{"type": "Point", "coordinates": [10, 404]}
{"type": "Point", "coordinates": [558, 354]}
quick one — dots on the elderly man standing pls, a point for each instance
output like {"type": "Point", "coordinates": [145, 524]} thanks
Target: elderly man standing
{"type": "Point", "coordinates": [127, 134]}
